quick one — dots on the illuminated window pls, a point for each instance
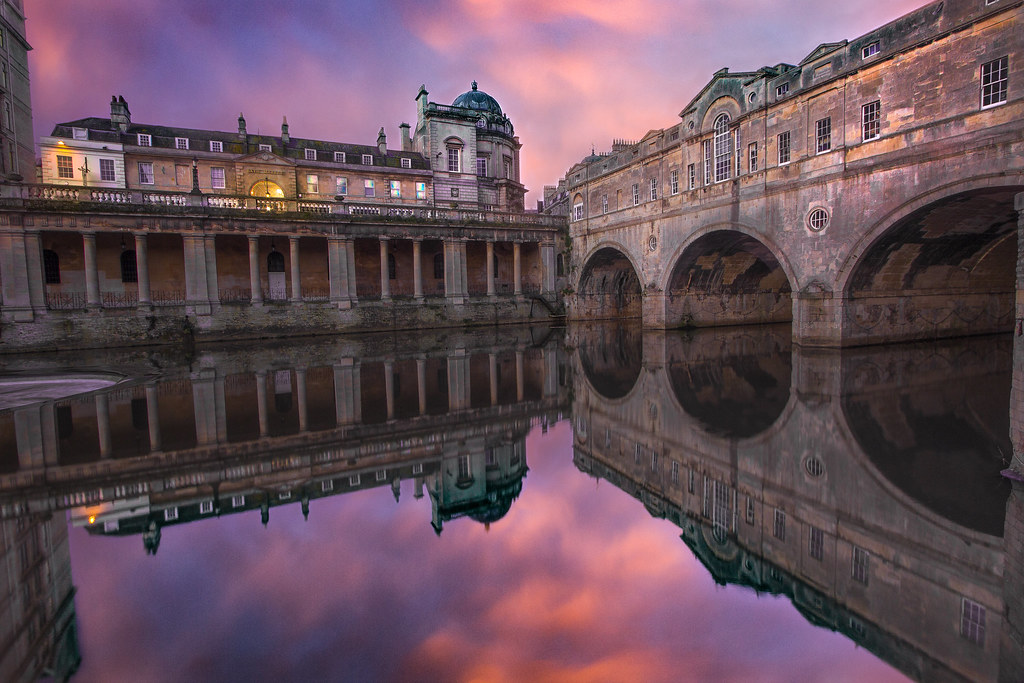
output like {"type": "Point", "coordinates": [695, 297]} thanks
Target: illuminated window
{"type": "Point", "coordinates": [312, 183]}
{"type": "Point", "coordinates": [395, 187]}
{"type": "Point", "coordinates": [216, 146]}
{"type": "Point", "coordinates": [181, 143]}
{"type": "Point", "coordinates": [994, 78]}
{"type": "Point", "coordinates": [65, 169]}
{"type": "Point", "coordinates": [421, 190]}
{"type": "Point", "coordinates": [146, 173]}
{"type": "Point", "coordinates": [267, 189]}
{"type": "Point", "coordinates": [217, 178]}
{"type": "Point", "coordinates": [368, 190]}
{"type": "Point", "coordinates": [144, 140]}
{"type": "Point", "coordinates": [310, 154]}
{"type": "Point", "coordinates": [871, 120]}
{"type": "Point", "coordinates": [783, 141]}
{"type": "Point", "coordinates": [723, 148]}
{"type": "Point", "coordinates": [340, 185]}
{"type": "Point", "coordinates": [368, 160]}
{"type": "Point", "coordinates": [107, 173]}
{"type": "Point", "coordinates": [339, 157]}
{"type": "Point", "coordinates": [823, 135]}
{"type": "Point", "coordinates": [406, 162]}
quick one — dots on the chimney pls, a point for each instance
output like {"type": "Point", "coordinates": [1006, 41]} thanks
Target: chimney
{"type": "Point", "coordinates": [421, 101]}
{"type": "Point", "coordinates": [406, 140]}
{"type": "Point", "coordinates": [284, 131]}
{"type": "Point", "coordinates": [241, 126]}
{"type": "Point", "coordinates": [382, 142]}
{"type": "Point", "coordinates": [120, 116]}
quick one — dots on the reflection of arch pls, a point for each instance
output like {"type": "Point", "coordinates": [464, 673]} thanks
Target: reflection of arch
{"type": "Point", "coordinates": [612, 359]}
{"type": "Point", "coordinates": [266, 188]}
{"type": "Point", "coordinates": [275, 262]}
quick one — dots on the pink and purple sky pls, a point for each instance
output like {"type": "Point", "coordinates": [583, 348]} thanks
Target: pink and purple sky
{"type": "Point", "coordinates": [569, 73]}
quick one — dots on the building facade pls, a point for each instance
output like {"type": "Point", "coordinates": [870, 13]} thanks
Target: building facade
{"type": "Point", "coordinates": [17, 158]}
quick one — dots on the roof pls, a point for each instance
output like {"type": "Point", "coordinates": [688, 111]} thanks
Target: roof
{"type": "Point", "coordinates": [477, 99]}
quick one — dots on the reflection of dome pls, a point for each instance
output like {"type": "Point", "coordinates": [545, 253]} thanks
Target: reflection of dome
{"type": "Point", "coordinates": [499, 504]}
{"type": "Point", "coordinates": [477, 99]}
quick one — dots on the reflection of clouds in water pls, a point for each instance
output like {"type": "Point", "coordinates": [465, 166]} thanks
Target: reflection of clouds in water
{"type": "Point", "coordinates": [577, 582]}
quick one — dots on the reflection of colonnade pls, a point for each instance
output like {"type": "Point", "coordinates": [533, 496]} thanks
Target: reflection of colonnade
{"type": "Point", "coordinates": [776, 459]}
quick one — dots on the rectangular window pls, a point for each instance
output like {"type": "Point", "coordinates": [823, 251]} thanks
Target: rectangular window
{"type": "Point", "coordinates": [368, 160]}
{"type": "Point", "coordinates": [310, 154]}
{"type": "Point", "coordinates": [312, 183]}
{"type": "Point", "coordinates": [781, 89]}
{"type": "Point", "coordinates": [691, 177]}
{"type": "Point", "coordinates": [816, 543]}
{"type": "Point", "coordinates": [706, 153]}
{"type": "Point", "coordinates": [636, 194]}
{"type": "Point", "coordinates": [170, 514]}
{"type": "Point", "coordinates": [994, 78]}
{"type": "Point", "coordinates": [381, 475]}
{"type": "Point", "coordinates": [604, 203]}
{"type": "Point", "coordinates": [869, 50]}
{"type": "Point", "coordinates": [481, 166]}
{"type": "Point", "coordinates": [780, 525]}
{"type": "Point", "coordinates": [823, 135]}
{"type": "Point", "coordinates": [181, 143]}
{"type": "Point", "coordinates": [417, 468]}
{"type": "Point", "coordinates": [859, 570]}
{"type": "Point", "coordinates": [577, 211]}
{"type": "Point", "coordinates": [508, 167]}
{"type": "Point", "coordinates": [368, 188]}
{"type": "Point", "coordinates": [752, 157]}
{"type": "Point", "coordinates": [673, 181]}
{"type": "Point", "coordinates": [205, 507]}
{"type": "Point", "coordinates": [972, 621]}
{"type": "Point", "coordinates": [654, 189]}
{"type": "Point", "coordinates": [353, 480]}
{"type": "Point", "coordinates": [237, 501]}
{"type": "Point", "coordinates": [690, 485]}
{"type": "Point", "coordinates": [327, 485]}
{"type": "Point", "coordinates": [654, 461]}
{"type": "Point", "coordinates": [871, 120]}
{"type": "Point", "coordinates": [675, 472]}
{"type": "Point", "coordinates": [80, 133]}
{"type": "Point", "coordinates": [146, 173]}
{"type": "Point", "coordinates": [406, 162]}
{"type": "Point", "coordinates": [750, 510]}
{"type": "Point", "coordinates": [340, 185]}
{"type": "Point", "coordinates": [65, 168]}
{"type": "Point", "coordinates": [145, 140]}
{"type": "Point", "coordinates": [421, 190]}
{"type": "Point", "coordinates": [454, 160]}
{"type": "Point", "coordinates": [738, 152]}
{"type": "Point", "coordinates": [217, 178]}
{"type": "Point", "coordinates": [216, 146]}
{"type": "Point", "coordinates": [107, 173]}
{"type": "Point", "coordinates": [111, 525]}
{"type": "Point", "coordinates": [783, 148]}
{"type": "Point", "coordinates": [395, 186]}
{"type": "Point", "coordinates": [265, 148]}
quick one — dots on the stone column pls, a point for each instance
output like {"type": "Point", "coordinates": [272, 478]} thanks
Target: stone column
{"type": "Point", "coordinates": [300, 389]}
{"type": "Point", "coordinates": [255, 288]}
{"type": "Point", "coordinates": [28, 433]}
{"type": "Point", "coordinates": [153, 417]}
{"type": "Point", "coordinates": [261, 402]}
{"type": "Point", "coordinates": [550, 371]}
{"type": "Point", "coordinates": [103, 423]}
{"type": "Point", "coordinates": [490, 268]}
{"type": "Point", "coordinates": [15, 276]}
{"type": "Point", "coordinates": [492, 367]}
{"type": "Point", "coordinates": [34, 267]}
{"type": "Point", "coordinates": [517, 269]}
{"type": "Point", "coordinates": [519, 376]}
{"type": "Point", "coordinates": [421, 384]}
{"type": "Point", "coordinates": [296, 282]}
{"type": "Point", "coordinates": [337, 271]}
{"type": "Point", "coordinates": [142, 268]}
{"type": "Point", "coordinates": [455, 271]}
{"type": "Point", "coordinates": [458, 380]}
{"type": "Point", "coordinates": [197, 294]}
{"type": "Point", "coordinates": [547, 262]}
{"type": "Point", "coordinates": [417, 269]}
{"type": "Point", "coordinates": [385, 281]}
{"type": "Point", "coordinates": [220, 408]}
{"type": "Point", "coordinates": [389, 388]}
{"type": "Point", "coordinates": [204, 402]}
{"type": "Point", "coordinates": [92, 276]}
{"type": "Point", "coordinates": [347, 394]}
{"type": "Point", "coordinates": [210, 254]}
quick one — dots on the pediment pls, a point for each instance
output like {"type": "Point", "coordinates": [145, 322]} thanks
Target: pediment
{"type": "Point", "coordinates": [822, 50]}
{"type": "Point", "coordinates": [265, 159]}
{"type": "Point", "coordinates": [721, 75]}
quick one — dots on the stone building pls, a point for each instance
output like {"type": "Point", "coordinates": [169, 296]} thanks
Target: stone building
{"type": "Point", "coordinates": [865, 193]}
{"type": "Point", "coordinates": [140, 233]}
{"type": "Point", "coordinates": [17, 157]}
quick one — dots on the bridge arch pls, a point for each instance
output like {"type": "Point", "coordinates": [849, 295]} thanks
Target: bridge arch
{"type": "Point", "coordinates": [612, 360]}
{"type": "Point", "coordinates": [942, 264]}
{"type": "Point", "coordinates": [728, 274]}
{"type": "Point", "coordinates": [609, 284]}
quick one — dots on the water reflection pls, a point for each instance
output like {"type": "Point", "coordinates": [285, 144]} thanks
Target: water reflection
{"type": "Point", "coordinates": [866, 489]}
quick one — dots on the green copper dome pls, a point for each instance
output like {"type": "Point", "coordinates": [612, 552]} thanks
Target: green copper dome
{"type": "Point", "coordinates": [477, 99]}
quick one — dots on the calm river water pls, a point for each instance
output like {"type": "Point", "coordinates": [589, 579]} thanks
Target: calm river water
{"type": "Point", "coordinates": [583, 504]}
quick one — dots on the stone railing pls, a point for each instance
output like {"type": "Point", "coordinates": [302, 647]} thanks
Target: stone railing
{"type": "Point", "coordinates": [382, 210]}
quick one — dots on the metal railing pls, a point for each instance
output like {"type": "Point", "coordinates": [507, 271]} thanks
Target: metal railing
{"type": "Point", "coordinates": [65, 301]}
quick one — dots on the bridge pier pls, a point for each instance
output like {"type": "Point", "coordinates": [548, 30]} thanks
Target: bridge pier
{"type": "Point", "coordinates": [817, 318]}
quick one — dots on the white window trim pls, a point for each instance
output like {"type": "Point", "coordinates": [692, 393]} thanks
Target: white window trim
{"type": "Point", "coordinates": [339, 157]}
{"type": "Point", "coordinates": [368, 160]}
{"type": "Point", "coordinates": [113, 171]}
{"type": "Point", "coordinates": [216, 146]}
{"type": "Point", "coordinates": [265, 148]}
{"type": "Point", "coordinates": [214, 179]}
{"type": "Point", "coordinates": [180, 143]}
{"type": "Point", "coordinates": [309, 153]}
{"type": "Point", "coordinates": [144, 140]}
{"type": "Point", "coordinates": [80, 133]}
{"type": "Point", "coordinates": [152, 175]}
{"type": "Point", "coordinates": [406, 162]}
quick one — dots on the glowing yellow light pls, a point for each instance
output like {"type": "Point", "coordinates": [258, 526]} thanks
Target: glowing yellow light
{"type": "Point", "coordinates": [60, 142]}
{"type": "Point", "coordinates": [92, 519]}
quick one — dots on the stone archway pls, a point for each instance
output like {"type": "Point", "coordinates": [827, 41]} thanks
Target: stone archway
{"type": "Point", "coordinates": [609, 287]}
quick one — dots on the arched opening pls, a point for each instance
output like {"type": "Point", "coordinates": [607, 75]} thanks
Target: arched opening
{"type": "Point", "coordinates": [609, 287]}
{"type": "Point", "coordinates": [947, 269]}
{"type": "Point", "coordinates": [267, 189]}
{"type": "Point", "coordinates": [612, 356]}
{"type": "Point", "coordinates": [723, 148]}
{"type": "Point", "coordinates": [728, 278]}
{"type": "Point", "coordinates": [276, 276]}
{"type": "Point", "coordinates": [129, 266]}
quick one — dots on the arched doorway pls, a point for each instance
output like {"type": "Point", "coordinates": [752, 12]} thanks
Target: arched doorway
{"type": "Point", "coordinates": [276, 275]}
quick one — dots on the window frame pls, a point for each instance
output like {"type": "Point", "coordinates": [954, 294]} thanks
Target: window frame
{"type": "Point", "coordinates": [654, 189]}
{"type": "Point", "coordinates": [144, 140]}
{"type": "Point", "coordinates": [181, 143]}
{"type": "Point", "coordinates": [151, 176]}
{"type": "Point", "coordinates": [752, 159]}
{"type": "Point", "coordinates": [869, 50]}
{"type": "Point", "coordinates": [823, 135]}
{"type": "Point", "coordinates": [369, 188]}
{"type": "Point", "coordinates": [636, 194]}
{"type": "Point", "coordinates": [871, 121]}
{"type": "Point", "coordinates": [421, 190]}
{"type": "Point", "coordinates": [309, 154]}
{"type": "Point", "coordinates": [312, 183]}
{"type": "Point", "coordinates": [454, 159]}
{"type": "Point", "coordinates": [216, 146]}
{"type": "Point", "coordinates": [341, 185]}
{"type": "Point", "coordinates": [263, 147]}
{"type": "Point", "coordinates": [995, 86]}
{"type": "Point", "coordinates": [367, 159]}
{"type": "Point", "coordinates": [65, 166]}
{"type": "Point", "coordinates": [784, 150]}
{"type": "Point", "coordinates": [673, 182]}
{"type": "Point", "coordinates": [214, 177]}
{"type": "Point", "coordinates": [79, 133]}
{"type": "Point", "coordinates": [395, 189]}
{"type": "Point", "coordinates": [339, 157]}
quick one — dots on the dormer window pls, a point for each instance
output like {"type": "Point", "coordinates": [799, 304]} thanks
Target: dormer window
{"type": "Point", "coordinates": [310, 154]}
{"type": "Point", "coordinates": [869, 50]}
{"type": "Point", "coordinates": [339, 157]}
{"type": "Point", "coordinates": [406, 163]}
{"type": "Point", "coordinates": [79, 133]}
{"type": "Point", "coordinates": [145, 140]}
{"type": "Point", "coordinates": [368, 160]}
{"type": "Point", "coordinates": [781, 89]}
{"type": "Point", "coordinates": [216, 146]}
{"type": "Point", "coordinates": [181, 143]}
{"type": "Point", "coordinates": [265, 148]}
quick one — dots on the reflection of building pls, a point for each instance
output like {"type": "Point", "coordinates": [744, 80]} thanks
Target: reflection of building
{"type": "Point", "coordinates": [837, 479]}
{"type": "Point", "coordinates": [257, 428]}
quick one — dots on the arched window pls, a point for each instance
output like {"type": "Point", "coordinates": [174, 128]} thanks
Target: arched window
{"type": "Point", "coordinates": [275, 262]}
{"type": "Point", "coordinates": [392, 268]}
{"type": "Point", "coordinates": [723, 148]}
{"type": "Point", "coordinates": [266, 188]}
{"type": "Point", "coordinates": [51, 267]}
{"type": "Point", "coordinates": [439, 266]}
{"type": "Point", "coordinates": [577, 207]}
{"type": "Point", "coordinates": [129, 269]}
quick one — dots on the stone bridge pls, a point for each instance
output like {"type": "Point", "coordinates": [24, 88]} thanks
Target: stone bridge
{"type": "Point", "coordinates": [870, 193]}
